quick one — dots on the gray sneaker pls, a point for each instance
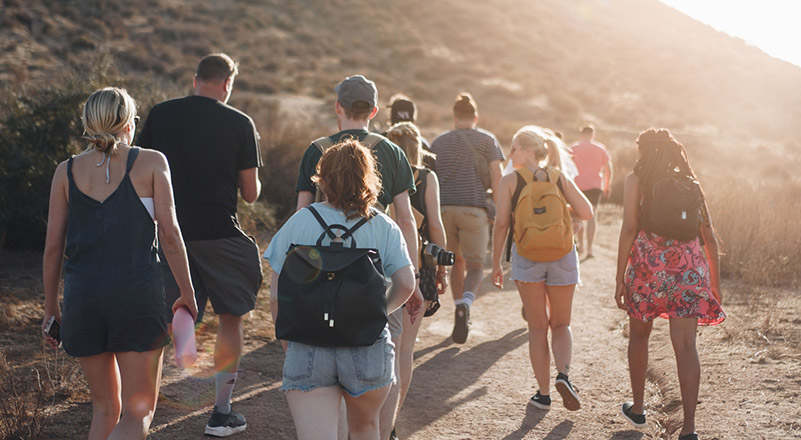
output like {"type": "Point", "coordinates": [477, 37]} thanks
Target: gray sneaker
{"type": "Point", "coordinates": [636, 420]}
{"type": "Point", "coordinates": [223, 425]}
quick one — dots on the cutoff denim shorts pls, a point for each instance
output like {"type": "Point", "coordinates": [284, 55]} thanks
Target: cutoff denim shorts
{"type": "Point", "coordinates": [562, 272]}
{"type": "Point", "coordinates": [356, 369]}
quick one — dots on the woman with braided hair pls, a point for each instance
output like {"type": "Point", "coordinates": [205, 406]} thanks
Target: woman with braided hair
{"type": "Point", "coordinates": [665, 271]}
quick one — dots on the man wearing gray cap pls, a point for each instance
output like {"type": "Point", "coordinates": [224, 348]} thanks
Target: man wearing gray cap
{"type": "Point", "coordinates": [356, 105]}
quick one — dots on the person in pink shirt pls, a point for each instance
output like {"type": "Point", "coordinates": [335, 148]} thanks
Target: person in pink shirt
{"type": "Point", "coordinates": [594, 177]}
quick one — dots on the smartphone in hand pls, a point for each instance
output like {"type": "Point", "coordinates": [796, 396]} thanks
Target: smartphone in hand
{"type": "Point", "coordinates": [53, 328]}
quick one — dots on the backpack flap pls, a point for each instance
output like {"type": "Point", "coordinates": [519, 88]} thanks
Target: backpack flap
{"type": "Point", "coordinates": [543, 230]}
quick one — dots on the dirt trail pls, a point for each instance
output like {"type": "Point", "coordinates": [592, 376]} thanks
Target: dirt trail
{"type": "Point", "coordinates": [480, 390]}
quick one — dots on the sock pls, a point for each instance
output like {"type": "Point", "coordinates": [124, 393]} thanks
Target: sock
{"type": "Point", "coordinates": [224, 382]}
{"type": "Point", "coordinates": [468, 298]}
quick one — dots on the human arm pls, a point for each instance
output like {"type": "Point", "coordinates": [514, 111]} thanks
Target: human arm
{"type": "Point", "coordinates": [628, 232]}
{"type": "Point", "coordinates": [305, 198]}
{"type": "Point", "coordinates": [495, 177]}
{"type": "Point", "coordinates": [580, 207]}
{"type": "Point", "coordinates": [249, 184]}
{"type": "Point", "coordinates": [435, 228]}
{"type": "Point", "coordinates": [405, 220]}
{"type": "Point", "coordinates": [712, 253]}
{"type": "Point", "coordinates": [172, 242]}
{"type": "Point", "coordinates": [503, 220]}
{"type": "Point", "coordinates": [402, 290]}
{"type": "Point", "coordinates": [307, 168]}
{"type": "Point", "coordinates": [607, 184]}
{"type": "Point", "coordinates": [274, 301]}
{"type": "Point", "coordinates": [54, 246]}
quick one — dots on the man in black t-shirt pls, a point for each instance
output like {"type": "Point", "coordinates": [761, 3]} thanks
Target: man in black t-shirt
{"type": "Point", "coordinates": [213, 150]}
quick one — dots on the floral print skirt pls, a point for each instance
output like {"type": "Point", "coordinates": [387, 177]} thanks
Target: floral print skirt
{"type": "Point", "coordinates": [670, 279]}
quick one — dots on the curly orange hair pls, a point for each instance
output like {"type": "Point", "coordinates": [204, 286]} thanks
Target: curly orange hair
{"type": "Point", "coordinates": [348, 177]}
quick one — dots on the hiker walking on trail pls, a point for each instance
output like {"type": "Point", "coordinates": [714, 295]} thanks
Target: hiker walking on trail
{"type": "Point", "coordinates": [316, 378]}
{"type": "Point", "coordinates": [594, 179]}
{"type": "Point", "coordinates": [356, 105]}
{"type": "Point", "coordinates": [213, 150]}
{"type": "Point", "coordinates": [536, 201]}
{"type": "Point", "coordinates": [403, 109]}
{"type": "Point", "coordinates": [468, 164]}
{"type": "Point", "coordinates": [434, 259]}
{"type": "Point", "coordinates": [667, 265]}
{"type": "Point", "coordinates": [104, 205]}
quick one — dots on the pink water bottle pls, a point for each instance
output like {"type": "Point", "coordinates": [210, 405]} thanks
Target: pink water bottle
{"type": "Point", "coordinates": [183, 334]}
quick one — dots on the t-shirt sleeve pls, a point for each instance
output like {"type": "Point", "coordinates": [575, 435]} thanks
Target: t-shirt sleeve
{"type": "Point", "coordinates": [288, 234]}
{"type": "Point", "coordinates": [404, 178]}
{"type": "Point", "coordinates": [395, 254]}
{"type": "Point", "coordinates": [250, 153]}
{"type": "Point", "coordinates": [495, 152]}
{"type": "Point", "coordinates": [307, 169]}
{"type": "Point", "coordinates": [145, 139]}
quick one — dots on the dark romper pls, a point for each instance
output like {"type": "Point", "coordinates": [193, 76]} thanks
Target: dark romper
{"type": "Point", "coordinates": [113, 288]}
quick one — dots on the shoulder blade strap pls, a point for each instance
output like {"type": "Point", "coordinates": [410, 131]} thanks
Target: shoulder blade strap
{"type": "Point", "coordinates": [69, 168]}
{"type": "Point", "coordinates": [524, 176]}
{"type": "Point", "coordinates": [371, 140]}
{"type": "Point", "coordinates": [326, 228]}
{"type": "Point", "coordinates": [554, 175]}
{"type": "Point", "coordinates": [131, 158]}
{"type": "Point", "coordinates": [323, 143]}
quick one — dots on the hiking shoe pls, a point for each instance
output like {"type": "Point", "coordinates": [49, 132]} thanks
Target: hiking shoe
{"type": "Point", "coordinates": [223, 425]}
{"type": "Point", "coordinates": [461, 324]}
{"type": "Point", "coordinates": [691, 436]}
{"type": "Point", "coordinates": [540, 401]}
{"type": "Point", "coordinates": [393, 435]}
{"type": "Point", "coordinates": [636, 420]}
{"type": "Point", "coordinates": [569, 393]}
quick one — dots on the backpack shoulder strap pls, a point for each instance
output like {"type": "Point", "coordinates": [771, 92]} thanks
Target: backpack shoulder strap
{"type": "Point", "coordinates": [323, 143]}
{"type": "Point", "coordinates": [372, 139]}
{"type": "Point", "coordinates": [521, 183]}
{"type": "Point", "coordinates": [553, 176]}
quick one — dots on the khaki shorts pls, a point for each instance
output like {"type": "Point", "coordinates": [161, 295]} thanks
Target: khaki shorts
{"type": "Point", "coordinates": [467, 231]}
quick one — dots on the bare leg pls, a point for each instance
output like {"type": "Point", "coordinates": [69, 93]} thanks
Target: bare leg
{"type": "Point", "coordinates": [682, 335]}
{"type": "Point", "coordinates": [104, 385]}
{"type": "Point", "coordinates": [639, 332]}
{"type": "Point", "coordinates": [457, 277]}
{"type": "Point", "coordinates": [363, 414]}
{"type": "Point", "coordinates": [475, 273]}
{"type": "Point", "coordinates": [590, 235]}
{"type": "Point", "coordinates": [406, 354]}
{"type": "Point", "coordinates": [534, 303]}
{"type": "Point", "coordinates": [389, 409]}
{"type": "Point", "coordinates": [141, 376]}
{"type": "Point", "coordinates": [228, 349]}
{"type": "Point", "coordinates": [315, 412]}
{"type": "Point", "coordinates": [560, 299]}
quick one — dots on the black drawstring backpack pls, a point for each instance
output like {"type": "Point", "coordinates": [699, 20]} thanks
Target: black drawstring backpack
{"type": "Point", "coordinates": [332, 296]}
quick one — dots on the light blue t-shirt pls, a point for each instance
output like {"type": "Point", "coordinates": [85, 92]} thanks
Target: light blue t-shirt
{"type": "Point", "coordinates": [303, 229]}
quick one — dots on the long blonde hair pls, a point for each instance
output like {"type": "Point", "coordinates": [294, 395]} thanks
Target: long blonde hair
{"type": "Point", "coordinates": [104, 117]}
{"type": "Point", "coordinates": [407, 136]}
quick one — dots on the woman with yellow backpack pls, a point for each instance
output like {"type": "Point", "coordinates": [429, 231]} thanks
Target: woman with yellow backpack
{"type": "Point", "coordinates": [537, 202]}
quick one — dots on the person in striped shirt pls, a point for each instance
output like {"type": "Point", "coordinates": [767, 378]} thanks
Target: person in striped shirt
{"type": "Point", "coordinates": [465, 205]}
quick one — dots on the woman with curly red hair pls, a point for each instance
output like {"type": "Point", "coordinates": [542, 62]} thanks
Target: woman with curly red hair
{"type": "Point", "coordinates": [316, 378]}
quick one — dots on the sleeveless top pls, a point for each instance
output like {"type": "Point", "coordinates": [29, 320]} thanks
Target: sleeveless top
{"type": "Point", "coordinates": [115, 238]}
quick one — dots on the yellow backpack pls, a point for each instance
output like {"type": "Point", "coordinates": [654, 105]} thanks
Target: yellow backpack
{"type": "Point", "coordinates": [543, 230]}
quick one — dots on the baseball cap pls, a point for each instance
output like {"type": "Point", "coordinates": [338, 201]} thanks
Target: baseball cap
{"type": "Point", "coordinates": [402, 110]}
{"type": "Point", "coordinates": [356, 88]}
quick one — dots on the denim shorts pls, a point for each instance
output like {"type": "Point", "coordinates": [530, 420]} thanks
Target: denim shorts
{"type": "Point", "coordinates": [562, 272]}
{"type": "Point", "coordinates": [356, 369]}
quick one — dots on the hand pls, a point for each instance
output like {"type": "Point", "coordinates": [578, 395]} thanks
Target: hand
{"type": "Point", "coordinates": [52, 342]}
{"type": "Point", "coordinates": [442, 282]}
{"type": "Point", "coordinates": [497, 276]}
{"type": "Point", "coordinates": [188, 301]}
{"type": "Point", "coordinates": [414, 305]}
{"type": "Point", "coordinates": [621, 296]}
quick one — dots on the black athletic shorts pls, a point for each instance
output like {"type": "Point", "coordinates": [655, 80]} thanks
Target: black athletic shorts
{"type": "Point", "coordinates": [225, 271]}
{"type": "Point", "coordinates": [593, 195]}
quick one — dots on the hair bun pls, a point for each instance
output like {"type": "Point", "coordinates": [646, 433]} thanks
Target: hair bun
{"type": "Point", "coordinates": [102, 142]}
